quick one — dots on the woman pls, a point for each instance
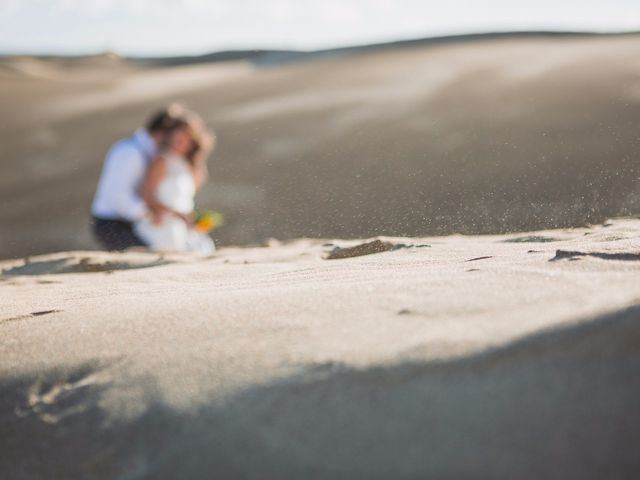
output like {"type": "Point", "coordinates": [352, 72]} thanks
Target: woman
{"type": "Point", "coordinates": [172, 180]}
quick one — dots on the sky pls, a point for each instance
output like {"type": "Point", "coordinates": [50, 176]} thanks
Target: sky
{"type": "Point", "coordinates": [176, 27]}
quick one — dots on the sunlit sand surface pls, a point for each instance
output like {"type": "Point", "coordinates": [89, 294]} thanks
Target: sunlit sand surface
{"type": "Point", "coordinates": [512, 356]}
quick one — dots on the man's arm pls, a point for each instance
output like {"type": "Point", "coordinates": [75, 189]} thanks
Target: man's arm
{"type": "Point", "coordinates": [127, 167]}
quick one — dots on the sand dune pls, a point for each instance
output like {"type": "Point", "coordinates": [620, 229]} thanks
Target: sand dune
{"type": "Point", "coordinates": [506, 134]}
{"type": "Point", "coordinates": [393, 353]}
{"type": "Point", "coordinates": [446, 357]}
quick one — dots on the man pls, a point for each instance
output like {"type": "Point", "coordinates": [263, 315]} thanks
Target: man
{"type": "Point", "coordinates": [117, 203]}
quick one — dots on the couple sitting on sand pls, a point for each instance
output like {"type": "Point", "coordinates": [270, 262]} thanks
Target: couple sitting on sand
{"type": "Point", "coordinates": [145, 196]}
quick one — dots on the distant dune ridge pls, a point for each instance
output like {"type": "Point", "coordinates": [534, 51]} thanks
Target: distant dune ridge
{"type": "Point", "coordinates": [514, 132]}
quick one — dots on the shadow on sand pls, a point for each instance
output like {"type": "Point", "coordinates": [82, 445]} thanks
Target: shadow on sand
{"type": "Point", "coordinates": [73, 264]}
{"type": "Point", "coordinates": [559, 404]}
{"type": "Point", "coordinates": [572, 255]}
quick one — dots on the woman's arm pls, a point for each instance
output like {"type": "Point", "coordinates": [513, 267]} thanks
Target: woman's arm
{"type": "Point", "coordinates": [156, 172]}
{"type": "Point", "coordinates": [200, 172]}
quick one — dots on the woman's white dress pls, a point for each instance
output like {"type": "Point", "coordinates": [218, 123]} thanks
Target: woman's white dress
{"type": "Point", "coordinates": [176, 191]}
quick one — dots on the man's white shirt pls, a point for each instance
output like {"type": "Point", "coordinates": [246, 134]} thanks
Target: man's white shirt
{"type": "Point", "coordinates": [118, 193]}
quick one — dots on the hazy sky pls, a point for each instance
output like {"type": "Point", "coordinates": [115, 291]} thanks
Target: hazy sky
{"type": "Point", "coordinates": [160, 27]}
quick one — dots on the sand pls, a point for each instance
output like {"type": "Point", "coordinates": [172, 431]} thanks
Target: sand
{"type": "Point", "coordinates": [483, 135]}
{"type": "Point", "coordinates": [407, 351]}
{"type": "Point", "coordinates": [513, 356]}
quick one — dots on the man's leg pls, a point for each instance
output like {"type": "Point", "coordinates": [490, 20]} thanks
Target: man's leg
{"type": "Point", "coordinates": [115, 234]}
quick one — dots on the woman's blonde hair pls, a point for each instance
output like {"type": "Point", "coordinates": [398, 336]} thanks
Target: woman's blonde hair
{"type": "Point", "coordinates": [203, 140]}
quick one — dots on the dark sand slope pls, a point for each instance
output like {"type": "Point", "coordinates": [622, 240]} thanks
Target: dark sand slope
{"type": "Point", "coordinates": [559, 405]}
{"type": "Point", "coordinates": [500, 135]}
{"type": "Point", "coordinates": [472, 358]}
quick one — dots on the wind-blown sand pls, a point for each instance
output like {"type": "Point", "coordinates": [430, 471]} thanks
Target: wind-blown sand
{"type": "Point", "coordinates": [448, 357]}
{"type": "Point", "coordinates": [472, 135]}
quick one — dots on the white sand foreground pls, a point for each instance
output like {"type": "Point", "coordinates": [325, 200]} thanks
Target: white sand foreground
{"type": "Point", "coordinates": [512, 356]}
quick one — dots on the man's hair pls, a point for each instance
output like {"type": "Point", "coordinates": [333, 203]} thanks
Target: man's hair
{"type": "Point", "coordinates": [165, 119]}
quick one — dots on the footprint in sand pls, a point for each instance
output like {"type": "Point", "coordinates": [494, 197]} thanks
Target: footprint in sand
{"type": "Point", "coordinates": [575, 255]}
{"type": "Point", "coordinates": [369, 248]}
{"type": "Point", "coordinates": [27, 316]}
{"type": "Point", "coordinates": [531, 239]}
{"type": "Point", "coordinates": [477, 259]}
{"type": "Point", "coordinates": [71, 264]}
{"type": "Point", "coordinates": [54, 401]}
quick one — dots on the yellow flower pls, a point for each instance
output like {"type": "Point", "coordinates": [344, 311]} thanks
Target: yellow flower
{"type": "Point", "coordinates": [208, 220]}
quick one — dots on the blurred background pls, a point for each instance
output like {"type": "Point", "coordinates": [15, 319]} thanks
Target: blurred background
{"type": "Point", "coordinates": [342, 118]}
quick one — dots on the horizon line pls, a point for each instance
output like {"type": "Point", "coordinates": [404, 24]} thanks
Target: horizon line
{"type": "Point", "coordinates": [478, 35]}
